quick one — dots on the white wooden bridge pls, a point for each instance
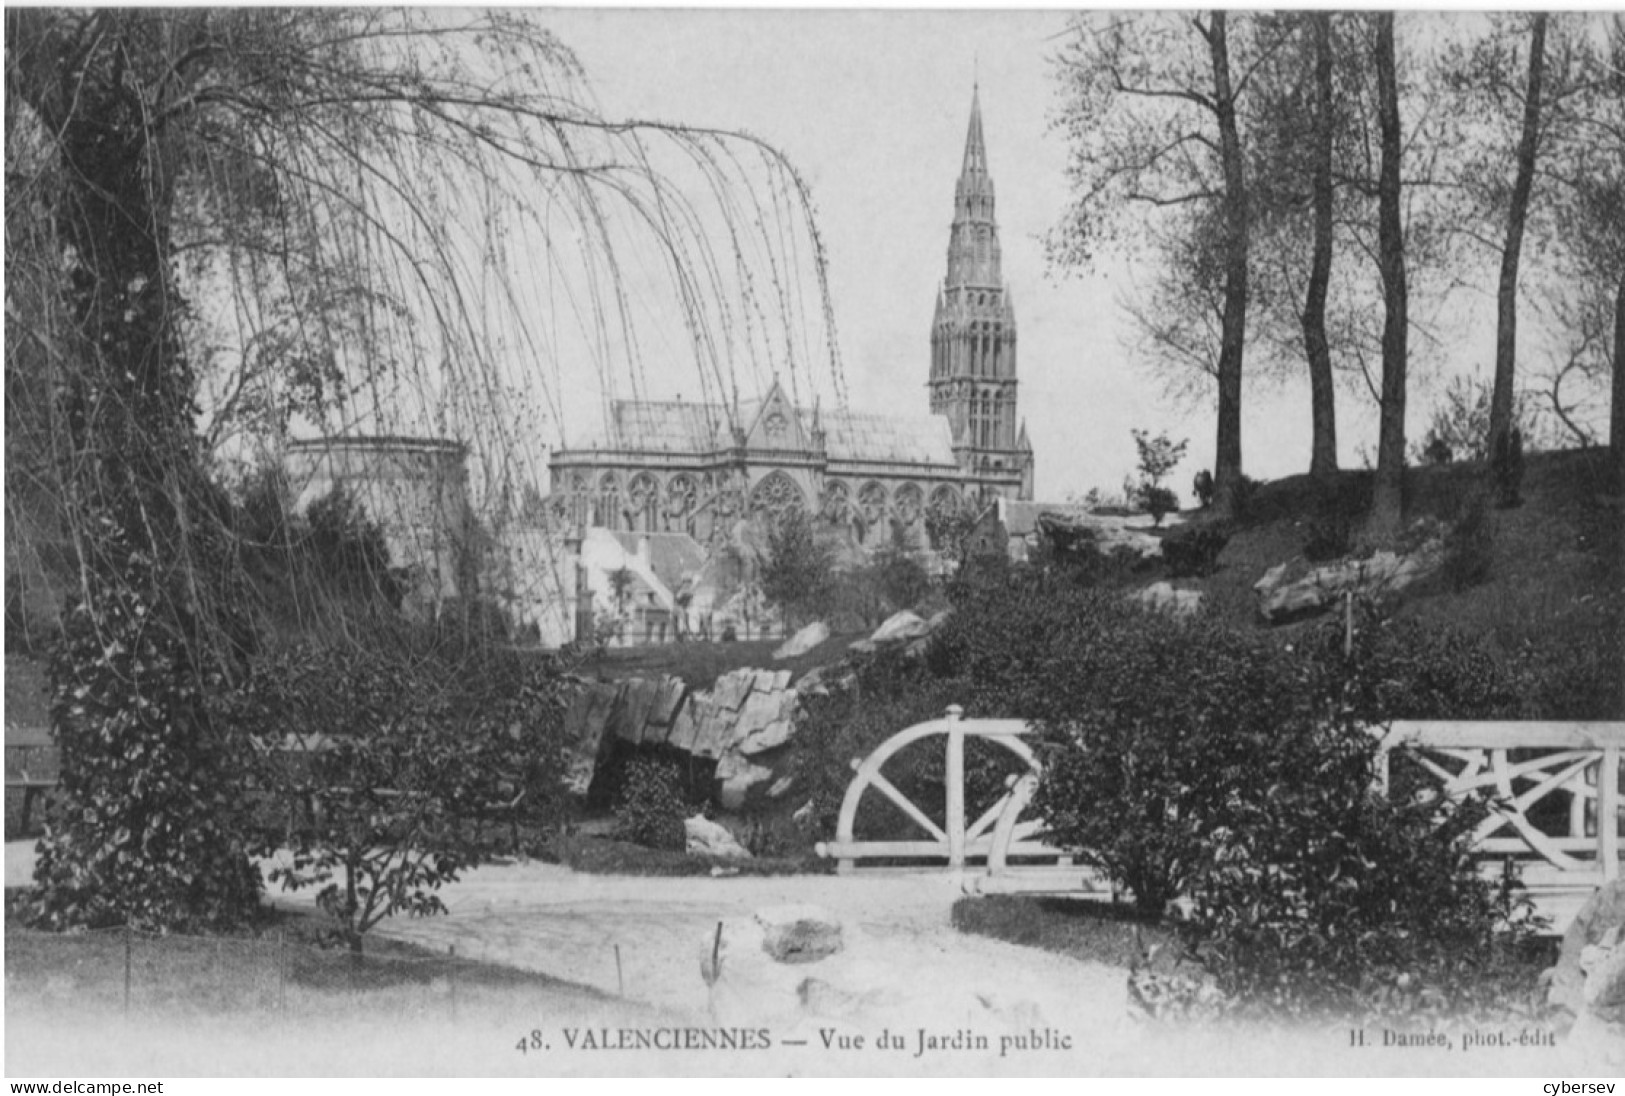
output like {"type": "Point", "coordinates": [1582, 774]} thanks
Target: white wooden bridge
{"type": "Point", "coordinates": [1557, 813]}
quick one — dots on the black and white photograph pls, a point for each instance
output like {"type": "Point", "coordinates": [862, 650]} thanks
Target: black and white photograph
{"type": "Point", "coordinates": [592, 542]}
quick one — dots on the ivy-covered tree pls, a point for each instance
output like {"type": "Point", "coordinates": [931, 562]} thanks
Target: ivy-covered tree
{"type": "Point", "coordinates": [220, 221]}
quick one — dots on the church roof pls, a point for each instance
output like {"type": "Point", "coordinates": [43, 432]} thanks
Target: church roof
{"type": "Point", "coordinates": [671, 426]}
{"type": "Point", "coordinates": [860, 436]}
{"type": "Point", "coordinates": [682, 427]}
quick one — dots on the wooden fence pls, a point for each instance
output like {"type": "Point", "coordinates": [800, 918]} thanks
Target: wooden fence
{"type": "Point", "coordinates": [1555, 785]}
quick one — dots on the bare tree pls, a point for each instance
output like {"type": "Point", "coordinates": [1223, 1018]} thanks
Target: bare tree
{"type": "Point", "coordinates": [1387, 500]}
{"type": "Point", "coordinates": [1151, 110]}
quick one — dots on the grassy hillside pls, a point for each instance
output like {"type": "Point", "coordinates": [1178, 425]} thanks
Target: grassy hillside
{"type": "Point", "coordinates": [1553, 588]}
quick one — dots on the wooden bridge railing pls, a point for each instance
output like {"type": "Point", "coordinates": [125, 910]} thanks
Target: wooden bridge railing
{"type": "Point", "coordinates": [1555, 785]}
{"type": "Point", "coordinates": [1557, 808]}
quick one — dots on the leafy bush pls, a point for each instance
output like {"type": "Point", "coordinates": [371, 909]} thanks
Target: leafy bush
{"type": "Point", "coordinates": [798, 575]}
{"type": "Point", "coordinates": [396, 749]}
{"type": "Point", "coordinates": [1158, 502]}
{"type": "Point", "coordinates": [651, 806]}
{"type": "Point", "coordinates": [1157, 457]}
{"type": "Point", "coordinates": [1189, 760]}
{"type": "Point", "coordinates": [1193, 552]}
{"type": "Point", "coordinates": [887, 693]}
{"type": "Point", "coordinates": [1470, 548]}
{"type": "Point", "coordinates": [1161, 726]}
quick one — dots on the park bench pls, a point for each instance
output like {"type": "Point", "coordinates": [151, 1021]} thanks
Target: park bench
{"type": "Point", "coordinates": [31, 768]}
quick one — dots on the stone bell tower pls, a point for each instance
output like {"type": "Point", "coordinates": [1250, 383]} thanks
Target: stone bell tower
{"type": "Point", "coordinates": [973, 334]}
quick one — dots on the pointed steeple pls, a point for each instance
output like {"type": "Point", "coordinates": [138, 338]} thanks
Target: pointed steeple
{"type": "Point", "coordinates": [973, 331]}
{"type": "Point", "coordinates": [975, 149]}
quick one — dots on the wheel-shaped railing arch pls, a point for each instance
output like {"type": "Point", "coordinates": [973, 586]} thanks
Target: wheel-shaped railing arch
{"type": "Point", "coordinates": [995, 835]}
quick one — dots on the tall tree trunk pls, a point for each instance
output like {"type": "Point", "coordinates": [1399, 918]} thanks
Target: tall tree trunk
{"type": "Point", "coordinates": [1616, 417]}
{"type": "Point", "coordinates": [1506, 323]}
{"type": "Point", "coordinates": [1322, 405]}
{"type": "Point", "coordinates": [1388, 498]}
{"type": "Point", "coordinates": [1227, 462]}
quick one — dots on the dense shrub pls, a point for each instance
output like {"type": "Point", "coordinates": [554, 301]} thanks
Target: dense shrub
{"type": "Point", "coordinates": [1337, 900]}
{"type": "Point", "coordinates": [651, 806]}
{"type": "Point", "coordinates": [1189, 760]}
{"type": "Point", "coordinates": [887, 693]}
{"type": "Point", "coordinates": [1193, 552]}
{"type": "Point", "coordinates": [1404, 669]}
{"type": "Point", "coordinates": [396, 749]}
{"type": "Point", "coordinates": [798, 575]}
{"type": "Point", "coordinates": [1158, 501]}
{"type": "Point", "coordinates": [1470, 547]}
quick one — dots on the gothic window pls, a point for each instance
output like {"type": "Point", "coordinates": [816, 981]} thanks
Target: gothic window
{"type": "Point", "coordinates": [837, 504]}
{"type": "Point", "coordinates": [776, 495]}
{"type": "Point", "coordinates": [944, 500]}
{"type": "Point", "coordinates": [681, 495]}
{"type": "Point", "coordinates": [872, 502]}
{"type": "Point", "coordinates": [609, 501]}
{"type": "Point", "coordinates": [910, 502]}
{"type": "Point", "coordinates": [776, 426]}
{"type": "Point", "coordinates": [642, 495]}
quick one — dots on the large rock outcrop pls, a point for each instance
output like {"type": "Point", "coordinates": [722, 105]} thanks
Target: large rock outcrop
{"type": "Point", "coordinates": [743, 722]}
{"type": "Point", "coordinates": [1588, 982]}
{"type": "Point", "coordinates": [1292, 590]}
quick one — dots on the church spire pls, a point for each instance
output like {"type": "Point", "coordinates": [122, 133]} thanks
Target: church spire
{"type": "Point", "coordinates": [973, 331]}
{"type": "Point", "coordinates": [973, 241]}
{"type": "Point", "coordinates": [975, 148]}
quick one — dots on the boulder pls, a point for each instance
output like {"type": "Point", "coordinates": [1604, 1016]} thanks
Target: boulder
{"type": "Point", "coordinates": [1281, 597]}
{"type": "Point", "coordinates": [586, 723]}
{"type": "Point", "coordinates": [737, 776]}
{"type": "Point", "coordinates": [731, 689]}
{"type": "Point", "coordinates": [668, 698]}
{"type": "Point", "coordinates": [770, 737]}
{"type": "Point", "coordinates": [708, 838]}
{"type": "Point", "coordinates": [685, 726]}
{"type": "Point", "coordinates": [781, 787]}
{"type": "Point", "coordinates": [1604, 966]}
{"type": "Point", "coordinates": [899, 627]}
{"type": "Point", "coordinates": [803, 641]}
{"type": "Point", "coordinates": [759, 710]}
{"type": "Point", "coordinates": [1588, 981]}
{"type": "Point", "coordinates": [713, 726]}
{"type": "Point", "coordinates": [1104, 533]}
{"type": "Point", "coordinates": [637, 701]}
{"type": "Point", "coordinates": [1164, 597]}
{"type": "Point", "coordinates": [1599, 919]}
{"type": "Point", "coordinates": [799, 933]}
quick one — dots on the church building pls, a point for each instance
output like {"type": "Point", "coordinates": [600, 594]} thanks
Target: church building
{"type": "Point", "coordinates": [697, 468]}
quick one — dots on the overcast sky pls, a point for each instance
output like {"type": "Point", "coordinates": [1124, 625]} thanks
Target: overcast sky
{"type": "Point", "coordinates": [872, 107]}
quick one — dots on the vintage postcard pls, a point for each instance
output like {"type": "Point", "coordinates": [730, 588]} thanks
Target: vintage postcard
{"type": "Point", "coordinates": [594, 542]}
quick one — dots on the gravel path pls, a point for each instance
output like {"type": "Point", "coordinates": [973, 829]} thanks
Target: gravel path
{"type": "Point", "coordinates": [994, 1008]}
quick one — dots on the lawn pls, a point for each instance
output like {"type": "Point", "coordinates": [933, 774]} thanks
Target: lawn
{"type": "Point", "coordinates": [280, 966]}
{"type": "Point", "coordinates": [1092, 931]}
